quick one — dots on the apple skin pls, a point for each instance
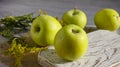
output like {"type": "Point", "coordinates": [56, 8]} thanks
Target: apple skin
{"type": "Point", "coordinates": [107, 19]}
{"type": "Point", "coordinates": [74, 16]}
{"type": "Point", "coordinates": [44, 29]}
{"type": "Point", "coordinates": [71, 42]}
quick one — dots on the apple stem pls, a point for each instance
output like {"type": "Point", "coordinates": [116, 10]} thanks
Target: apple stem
{"type": "Point", "coordinates": [75, 11]}
{"type": "Point", "coordinates": [75, 8]}
{"type": "Point", "coordinates": [45, 13]}
{"type": "Point", "coordinates": [40, 11]}
{"type": "Point", "coordinates": [75, 31]}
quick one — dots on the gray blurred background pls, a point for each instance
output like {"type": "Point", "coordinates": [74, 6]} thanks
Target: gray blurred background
{"type": "Point", "coordinates": [56, 7]}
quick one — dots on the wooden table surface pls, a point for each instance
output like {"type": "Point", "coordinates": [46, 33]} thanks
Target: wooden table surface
{"type": "Point", "coordinates": [103, 51]}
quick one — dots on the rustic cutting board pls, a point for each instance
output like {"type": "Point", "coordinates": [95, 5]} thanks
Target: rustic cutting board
{"type": "Point", "coordinates": [103, 51]}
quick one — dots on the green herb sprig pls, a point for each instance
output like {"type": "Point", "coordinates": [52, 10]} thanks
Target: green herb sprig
{"type": "Point", "coordinates": [11, 25]}
{"type": "Point", "coordinates": [18, 48]}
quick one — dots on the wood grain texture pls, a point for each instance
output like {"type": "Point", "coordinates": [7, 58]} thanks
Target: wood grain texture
{"type": "Point", "coordinates": [103, 51]}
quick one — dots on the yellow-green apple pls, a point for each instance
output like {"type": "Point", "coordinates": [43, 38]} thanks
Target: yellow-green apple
{"type": "Point", "coordinates": [107, 19]}
{"type": "Point", "coordinates": [44, 29]}
{"type": "Point", "coordinates": [71, 42]}
{"type": "Point", "coordinates": [75, 16]}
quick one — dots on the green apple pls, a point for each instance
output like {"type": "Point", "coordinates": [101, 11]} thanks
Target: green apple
{"type": "Point", "coordinates": [75, 16]}
{"type": "Point", "coordinates": [71, 42]}
{"type": "Point", "coordinates": [107, 19]}
{"type": "Point", "coordinates": [44, 29]}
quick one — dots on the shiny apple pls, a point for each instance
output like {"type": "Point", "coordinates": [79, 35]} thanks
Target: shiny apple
{"type": "Point", "coordinates": [71, 42]}
{"type": "Point", "coordinates": [107, 19]}
{"type": "Point", "coordinates": [44, 29]}
{"type": "Point", "coordinates": [75, 16]}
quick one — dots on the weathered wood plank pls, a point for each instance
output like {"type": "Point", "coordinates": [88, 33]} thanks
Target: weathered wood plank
{"type": "Point", "coordinates": [103, 51]}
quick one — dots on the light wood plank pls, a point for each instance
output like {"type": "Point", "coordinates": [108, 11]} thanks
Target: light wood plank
{"type": "Point", "coordinates": [103, 51]}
